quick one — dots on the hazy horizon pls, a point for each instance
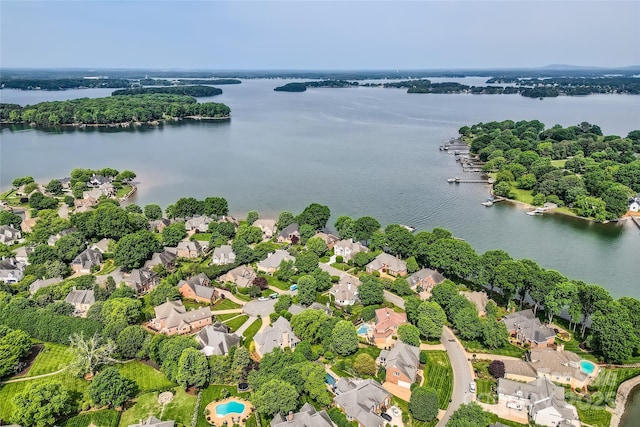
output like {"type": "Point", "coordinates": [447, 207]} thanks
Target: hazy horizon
{"type": "Point", "coordinates": [318, 35]}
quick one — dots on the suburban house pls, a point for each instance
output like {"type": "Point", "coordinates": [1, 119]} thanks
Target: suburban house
{"type": "Point", "coordinates": [81, 300]}
{"type": "Point", "coordinates": [479, 299]}
{"type": "Point", "coordinates": [82, 205]}
{"type": "Point", "coordinates": [51, 241]}
{"type": "Point", "coordinates": [189, 249]}
{"type": "Point", "coordinates": [345, 292]}
{"type": "Point", "coordinates": [267, 226]}
{"type": "Point", "coordinates": [86, 260]}
{"type": "Point", "coordinates": [157, 225]}
{"type": "Point", "coordinates": [142, 280]}
{"type": "Point", "coordinates": [96, 193]}
{"type": "Point", "coordinates": [154, 422]}
{"type": "Point", "coordinates": [223, 255]}
{"type": "Point", "coordinates": [526, 328]}
{"type": "Point", "coordinates": [27, 224]}
{"type": "Point", "coordinates": [199, 224]}
{"type": "Point", "coordinates": [9, 235]}
{"type": "Point", "coordinates": [98, 180]}
{"type": "Point", "coordinates": [347, 249]}
{"type": "Point", "coordinates": [388, 264]}
{"type": "Point", "coordinates": [425, 279]}
{"type": "Point", "coordinates": [102, 245]}
{"type": "Point", "coordinates": [329, 239]}
{"type": "Point", "coordinates": [290, 233]}
{"type": "Point", "coordinates": [43, 283]}
{"type": "Point", "coordinates": [173, 318]}
{"type": "Point", "coordinates": [273, 261]}
{"type": "Point", "coordinates": [11, 271]}
{"type": "Point", "coordinates": [401, 363]}
{"type": "Point", "coordinates": [362, 401]}
{"type": "Point", "coordinates": [216, 340]}
{"type": "Point", "coordinates": [198, 288]}
{"type": "Point", "coordinates": [166, 258]}
{"type": "Point", "coordinates": [541, 399]}
{"type": "Point", "coordinates": [634, 203]}
{"type": "Point", "coordinates": [242, 276]}
{"type": "Point", "coordinates": [558, 365]}
{"type": "Point", "coordinates": [22, 254]}
{"type": "Point", "coordinates": [279, 334]}
{"type": "Point", "coordinates": [387, 322]}
{"type": "Point", "coordinates": [307, 416]}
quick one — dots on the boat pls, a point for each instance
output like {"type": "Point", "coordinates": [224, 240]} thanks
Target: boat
{"type": "Point", "coordinates": [411, 229]}
{"type": "Point", "coordinates": [450, 180]}
{"type": "Point", "coordinates": [487, 203]}
{"type": "Point", "coordinates": [536, 212]}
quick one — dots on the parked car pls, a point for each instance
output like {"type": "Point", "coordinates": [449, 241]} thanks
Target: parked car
{"type": "Point", "coordinates": [395, 411]}
{"type": "Point", "coordinates": [386, 416]}
{"type": "Point", "coordinates": [263, 299]}
{"type": "Point", "coordinates": [293, 287]}
{"type": "Point", "coordinates": [273, 296]}
{"type": "Point", "coordinates": [472, 387]}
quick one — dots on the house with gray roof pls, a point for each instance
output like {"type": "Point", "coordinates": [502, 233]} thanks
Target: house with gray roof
{"type": "Point", "coordinates": [189, 249]}
{"type": "Point", "coordinates": [362, 401]}
{"type": "Point", "coordinates": [22, 254]}
{"type": "Point", "coordinates": [142, 280]}
{"type": "Point", "coordinates": [425, 279]}
{"type": "Point", "coordinates": [526, 328]}
{"type": "Point", "coordinates": [289, 234]}
{"type": "Point", "coordinates": [401, 363]}
{"type": "Point", "coordinates": [173, 318]}
{"type": "Point", "coordinates": [479, 299]}
{"type": "Point", "coordinates": [81, 300]}
{"type": "Point", "coordinates": [198, 288]}
{"type": "Point", "coordinates": [273, 261]}
{"type": "Point", "coordinates": [216, 340]}
{"type": "Point", "coordinates": [102, 245]}
{"type": "Point", "coordinates": [157, 225]}
{"type": "Point", "coordinates": [199, 224]}
{"type": "Point", "coordinates": [277, 335]}
{"type": "Point", "coordinates": [166, 258]}
{"type": "Point", "coordinates": [242, 276]}
{"type": "Point", "coordinates": [43, 283]}
{"type": "Point", "coordinates": [543, 400]}
{"type": "Point", "coordinates": [345, 292]}
{"type": "Point", "coordinates": [11, 271]}
{"type": "Point", "coordinates": [9, 235]}
{"type": "Point", "coordinates": [267, 226]}
{"type": "Point", "coordinates": [387, 264]}
{"type": "Point", "coordinates": [86, 260]}
{"type": "Point", "coordinates": [347, 249]}
{"type": "Point", "coordinates": [307, 416]}
{"type": "Point", "coordinates": [51, 241]}
{"type": "Point", "coordinates": [223, 255]}
{"type": "Point", "coordinates": [154, 422]}
{"type": "Point", "coordinates": [329, 239]}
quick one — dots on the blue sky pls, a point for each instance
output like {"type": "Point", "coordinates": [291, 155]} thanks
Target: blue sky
{"type": "Point", "coordinates": [318, 34]}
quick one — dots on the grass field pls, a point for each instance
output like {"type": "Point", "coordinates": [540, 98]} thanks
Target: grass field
{"type": "Point", "coordinates": [506, 350]}
{"type": "Point", "coordinates": [225, 304]}
{"type": "Point", "coordinates": [439, 375]}
{"type": "Point", "coordinates": [51, 358]}
{"type": "Point", "coordinates": [201, 236]}
{"type": "Point", "coordinates": [559, 163]}
{"type": "Point", "coordinates": [251, 331]}
{"type": "Point", "coordinates": [180, 409]}
{"type": "Point", "coordinates": [121, 192]}
{"type": "Point", "coordinates": [524, 196]}
{"type": "Point", "coordinates": [273, 281]}
{"type": "Point", "coordinates": [235, 323]}
{"type": "Point", "coordinates": [224, 317]}
{"type": "Point", "coordinates": [596, 416]}
{"type": "Point", "coordinates": [104, 418]}
{"type": "Point", "coordinates": [212, 393]}
{"type": "Point", "coordinates": [608, 381]}
{"type": "Point", "coordinates": [146, 377]}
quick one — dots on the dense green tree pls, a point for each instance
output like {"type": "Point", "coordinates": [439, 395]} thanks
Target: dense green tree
{"type": "Point", "coordinates": [252, 216]}
{"type": "Point", "coordinates": [371, 291]}
{"type": "Point", "coordinates": [186, 207]}
{"type": "Point", "coordinates": [454, 258]}
{"type": "Point", "coordinates": [423, 404]}
{"type": "Point", "coordinates": [317, 245]}
{"type": "Point", "coordinates": [133, 249]}
{"type": "Point", "coordinates": [126, 176]}
{"type": "Point", "coordinates": [307, 261]}
{"type": "Point", "coordinates": [249, 234]}
{"type": "Point", "coordinates": [315, 215]}
{"type": "Point", "coordinates": [312, 325]}
{"type": "Point", "coordinates": [344, 338]}
{"type": "Point", "coordinates": [14, 345]}
{"type": "Point", "coordinates": [41, 404]}
{"type": "Point", "coordinates": [10, 218]}
{"type": "Point", "coordinates": [444, 293]}
{"type": "Point", "coordinates": [591, 297]}
{"type": "Point", "coordinates": [109, 387]}
{"type": "Point", "coordinates": [132, 342]}
{"type": "Point", "coordinates": [216, 207]}
{"type": "Point", "coordinates": [89, 353]}
{"type": "Point", "coordinates": [494, 333]}
{"type": "Point", "coordinates": [469, 415]}
{"type": "Point", "coordinates": [467, 322]}
{"type": "Point", "coordinates": [193, 369]}
{"type": "Point", "coordinates": [42, 254]}
{"type": "Point", "coordinates": [431, 319]}
{"type": "Point", "coordinates": [153, 211]}
{"type": "Point", "coordinates": [284, 219]}
{"type": "Point", "coordinates": [275, 396]}
{"type": "Point", "coordinates": [400, 241]}
{"type": "Point", "coordinates": [364, 227]}
{"type": "Point", "coordinates": [18, 182]}
{"type": "Point", "coordinates": [364, 365]}
{"type": "Point", "coordinates": [169, 352]}
{"type": "Point", "coordinates": [172, 234]}
{"type": "Point", "coordinates": [613, 334]}
{"type": "Point", "coordinates": [54, 187]}
{"type": "Point", "coordinates": [345, 226]}
{"type": "Point", "coordinates": [69, 246]}
{"type": "Point", "coordinates": [283, 303]}
{"type": "Point", "coordinates": [306, 290]}
{"type": "Point", "coordinates": [286, 270]}
{"type": "Point", "coordinates": [409, 334]}
{"type": "Point", "coordinates": [121, 309]}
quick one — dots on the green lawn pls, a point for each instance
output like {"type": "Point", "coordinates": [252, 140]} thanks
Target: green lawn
{"type": "Point", "coordinates": [485, 382]}
{"type": "Point", "coordinates": [223, 317]}
{"type": "Point", "coordinates": [212, 393]}
{"type": "Point", "coordinates": [51, 358]}
{"type": "Point", "coordinates": [123, 191]}
{"type": "Point", "coordinates": [146, 377]}
{"type": "Point", "coordinates": [180, 409]}
{"type": "Point", "coordinates": [438, 374]}
{"type": "Point", "coordinates": [225, 304]}
{"type": "Point", "coordinates": [522, 195]}
{"type": "Point", "coordinates": [407, 418]}
{"type": "Point", "coordinates": [107, 268]}
{"type": "Point", "coordinates": [341, 266]}
{"type": "Point", "coordinates": [596, 416]}
{"type": "Point", "coordinates": [273, 281]}
{"type": "Point", "coordinates": [201, 236]}
{"type": "Point", "coordinates": [559, 163]}
{"type": "Point", "coordinates": [104, 418]}
{"type": "Point", "coordinates": [251, 331]}
{"type": "Point", "coordinates": [608, 381]}
{"type": "Point", "coordinates": [478, 347]}
{"type": "Point", "coordinates": [493, 418]}
{"type": "Point", "coordinates": [235, 323]}
{"type": "Point", "coordinates": [8, 391]}
{"type": "Point", "coordinates": [242, 297]}
{"type": "Point", "coordinates": [190, 304]}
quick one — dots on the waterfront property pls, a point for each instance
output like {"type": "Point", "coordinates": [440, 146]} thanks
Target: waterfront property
{"type": "Point", "coordinates": [347, 249]}
{"type": "Point", "coordinates": [387, 264]}
{"type": "Point", "coordinates": [525, 328]}
{"type": "Point", "coordinates": [290, 234]}
{"type": "Point", "coordinates": [267, 226]}
{"type": "Point", "coordinates": [425, 279]}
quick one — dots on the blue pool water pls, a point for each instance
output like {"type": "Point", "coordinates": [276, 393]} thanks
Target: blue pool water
{"type": "Point", "coordinates": [232, 407]}
{"type": "Point", "coordinates": [363, 329]}
{"type": "Point", "coordinates": [587, 367]}
{"type": "Point", "coordinates": [330, 380]}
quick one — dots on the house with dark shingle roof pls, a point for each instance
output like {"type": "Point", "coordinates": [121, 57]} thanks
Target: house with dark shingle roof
{"type": "Point", "coordinates": [166, 258]}
{"type": "Point", "coordinates": [216, 340]}
{"type": "Point", "coordinates": [526, 328]}
{"type": "Point", "coordinates": [173, 318]}
{"type": "Point", "coordinates": [425, 279]}
{"type": "Point", "coordinates": [290, 233]}
{"type": "Point", "coordinates": [362, 401]}
{"type": "Point", "coordinates": [307, 416]}
{"type": "Point", "coordinates": [198, 288]}
{"type": "Point", "coordinates": [81, 300]}
{"type": "Point", "coordinates": [242, 276]}
{"type": "Point", "coordinates": [43, 283]}
{"type": "Point", "coordinates": [401, 363]}
{"type": "Point", "coordinates": [385, 263]}
{"type": "Point", "coordinates": [86, 260]}
{"type": "Point", "coordinates": [142, 280]}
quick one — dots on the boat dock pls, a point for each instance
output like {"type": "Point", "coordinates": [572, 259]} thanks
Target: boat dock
{"type": "Point", "coordinates": [636, 220]}
{"type": "Point", "coordinates": [457, 180]}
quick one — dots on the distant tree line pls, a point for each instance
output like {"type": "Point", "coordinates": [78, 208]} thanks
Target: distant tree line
{"type": "Point", "coordinates": [61, 84]}
{"type": "Point", "coordinates": [301, 87]}
{"type": "Point", "coordinates": [196, 91]}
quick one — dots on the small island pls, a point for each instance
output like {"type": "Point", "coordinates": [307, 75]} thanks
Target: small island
{"type": "Point", "coordinates": [302, 86]}
{"type": "Point", "coordinates": [577, 168]}
{"type": "Point", "coordinates": [196, 91]}
{"type": "Point", "coordinates": [116, 111]}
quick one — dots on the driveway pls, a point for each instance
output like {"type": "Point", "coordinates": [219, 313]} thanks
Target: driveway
{"type": "Point", "coordinates": [228, 295]}
{"type": "Point", "coordinates": [394, 299]}
{"type": "Point", "coordinates": [462, 374]}
{"type": "Point", "coordinates": [257, 308]}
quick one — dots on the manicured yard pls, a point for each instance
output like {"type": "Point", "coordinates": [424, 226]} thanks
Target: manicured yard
{"type": "Point", "coordinates": [485, 381]}
{"type": "Point", "coordinates": [212, 393]}
{"type": "Point", "coordinates": [223, 317]}
{"type": "Point", "coordinates": [341, 266]}
{"type": "Point", "coordinates": [146, 377]}
{"type": "Point", "coordinates": [107, 268]}
{"type": "Point", "coordinates": [121, 192]}
{"type": "Point", "coordinates": [51, 358]}
{"type": "Point", "coordinates": [225, 304]}
{"type": "Point", "coordinates": [596, 416]}
{"type": "Point", "coordinates": [343, 366]}
{"type": "Point", "coordinates": [201, 236]}
{"type": "Point", "coordinates": [235, 323]}
{"type": "Point", "coordinates": [251, 331]}
{"type": "Point", "coordinates": [104, 418]}
{"type": "Point", "coordinates": [494, 419]}
{"type": "Point", "coordinates": [407, 418]}
{"type": "Point", "coordinates": [522, 195]}
{"type": "Point", "coordinates": [608, 381]}
{"type": "Point", "coordinates": [439, 375]}
{"type": "Point", "coordinates": [180, 409]}
{"type": "Point", "coordinates": [273, 281]}
{"type": "Point", "coordinates": [506, 350]}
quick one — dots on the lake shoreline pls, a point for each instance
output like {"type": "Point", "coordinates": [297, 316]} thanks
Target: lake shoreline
{"type": "Point", "coordinates": [123, 125]}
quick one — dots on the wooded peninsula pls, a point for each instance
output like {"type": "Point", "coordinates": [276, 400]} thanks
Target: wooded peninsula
{"type": "Point", "coordinates": [113, 110]}
{"type": "Point", "coordinates": [197, 91]}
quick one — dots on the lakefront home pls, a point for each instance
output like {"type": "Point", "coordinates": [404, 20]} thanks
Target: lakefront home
{"type": "Point", "coordinates": [157, 225]}
{"type": "Point", "coordinates": [273, 261]}
{"type": "Point", "coordinates": [525, 328]}
{"type": "Point", "coordinates": [242, 276]}
{"type": "Point", "coordinates": [362, 401]}
{"type": "Point", "coordinates": [267, 226]}
{"type": "Point", "coordinates": [199, 224]}
{"type": "Point", "coordinates": [86, 260]}
{"type": "Point", "coordinates": [223, 255]}
{"type": "Point", "coordinates": [401, 363]}
{"type": "Point", "coordinates": [216, 340]}
{"type": "Point", "coordinates": [425, 279]}
{"type": "Point", "coordinates": [347, 249]}
{"type": "Point", "coordinates": [279, 335]}
{"type": "Point", "coordinates": [166, 258]}
{"type": "Point", "coordinates": [289, 234]}
{"type": "Point", "coordinates": [173, 318]}
{"type": "Point", "coordinates": [387, 264]}
{"type": "Point", "coordinates": [329, 239]}
{"type": "Point", "coordinates": [386, 326]}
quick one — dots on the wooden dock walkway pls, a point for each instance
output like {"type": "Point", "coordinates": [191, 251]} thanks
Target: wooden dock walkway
{"type": "Point", "coordinates": [469, 181]}
{"type": "Point", "coordinates": [636, 220]}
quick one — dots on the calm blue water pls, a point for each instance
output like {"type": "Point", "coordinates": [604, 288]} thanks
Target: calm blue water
{"type": "Point", "coordinates": [232, 407]}
{"type": "Point", "coordinates": [363, 330]}
{"type": "Point", "coordinates": [330, 380]}
{"type": "Point", "coordinates": [587, 367]}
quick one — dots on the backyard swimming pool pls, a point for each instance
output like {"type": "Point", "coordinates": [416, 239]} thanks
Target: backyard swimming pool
{"type": "Point", "coordinates": [232, 407]}
{"type": "Point", "coordinates": [330, 380]}
{"type": "Point", "coordinates": [587, 367]}
{"type": "Point", "coordinates": [364, 329]}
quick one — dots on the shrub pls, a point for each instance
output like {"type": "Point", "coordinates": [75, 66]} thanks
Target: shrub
{"type": "Point", "coordinates": [496, 368]}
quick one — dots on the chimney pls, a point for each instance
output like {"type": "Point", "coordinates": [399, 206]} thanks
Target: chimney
{"type": "Point", "coordinates": [290, 416]}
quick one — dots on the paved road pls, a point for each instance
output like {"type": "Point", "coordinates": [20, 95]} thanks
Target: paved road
{"type": "Point", "coordinates": [262, 308]}
{"type": "Point", "coordinates": [394, 299]}
{"type": "Point", "coordinates": [462, 374]}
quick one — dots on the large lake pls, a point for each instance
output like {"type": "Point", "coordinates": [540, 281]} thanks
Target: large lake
{"type": "Point", "coordinates": [364, 151]}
